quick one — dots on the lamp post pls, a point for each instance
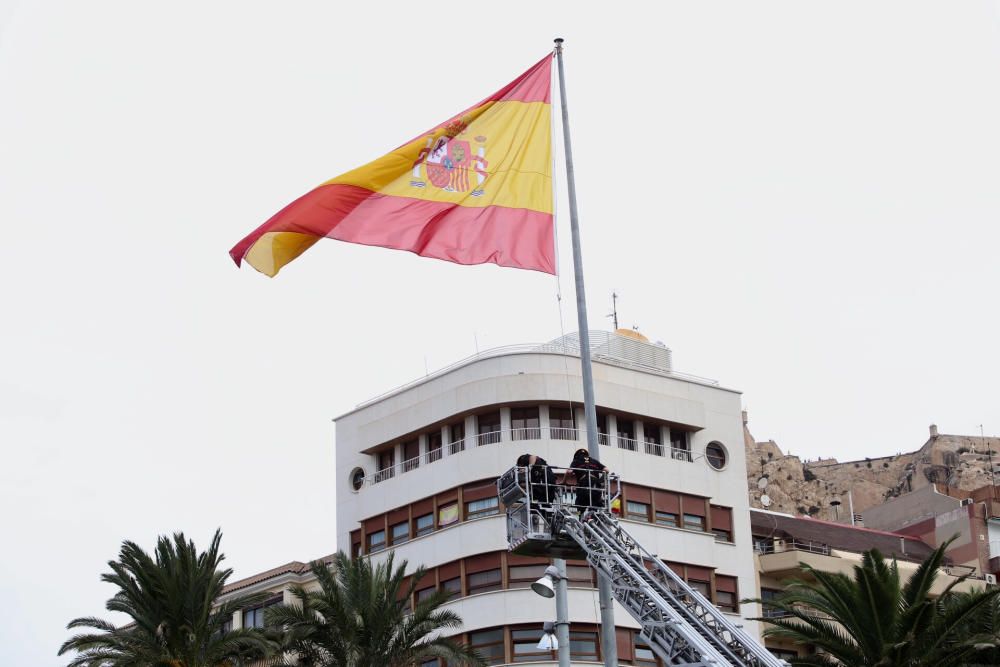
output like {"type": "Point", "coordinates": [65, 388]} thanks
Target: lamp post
{"type": "Point", "coordinates": [553, 584]}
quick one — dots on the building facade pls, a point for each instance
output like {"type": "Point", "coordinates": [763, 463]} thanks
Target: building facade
{"type": "Point", "coordinates": [784, 543]}
{"type": "Point", "coordinates": [416, 472]}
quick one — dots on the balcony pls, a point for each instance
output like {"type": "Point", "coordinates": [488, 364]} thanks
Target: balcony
{"type": "Point", "coordinates": [494, 437]}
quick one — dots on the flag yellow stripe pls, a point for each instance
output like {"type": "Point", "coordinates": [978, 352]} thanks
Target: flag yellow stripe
{"type": "Point", "coordinates": [515, 138]}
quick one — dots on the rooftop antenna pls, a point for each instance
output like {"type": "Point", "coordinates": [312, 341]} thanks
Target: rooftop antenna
{"type": "Point", "coordinates": [614, 309]}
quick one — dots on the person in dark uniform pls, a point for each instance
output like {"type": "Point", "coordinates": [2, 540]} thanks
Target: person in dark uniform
{"type": "Point", "coordinates": [541, 477]}
{"type": "Point", "coordinates": [590, 477]}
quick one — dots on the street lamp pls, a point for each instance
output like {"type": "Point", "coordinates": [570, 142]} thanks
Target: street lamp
{"type": "Point", "coordinates": [546, 585]}
{"type": "Point", "coordinates": [548, 642]}
{"type": "Point", "coordinates": [552, 584]}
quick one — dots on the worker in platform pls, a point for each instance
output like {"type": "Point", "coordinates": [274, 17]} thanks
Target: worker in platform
{"type": "Point", "coordinates": [541, 477]}
{"type": "Point", "coordinates": [590, 475]}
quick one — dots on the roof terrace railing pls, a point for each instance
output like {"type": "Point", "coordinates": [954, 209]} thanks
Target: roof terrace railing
{"type": "Point", "coordinates": [780, 546]}
{"type": "Point", "coordinates": [606, 348]}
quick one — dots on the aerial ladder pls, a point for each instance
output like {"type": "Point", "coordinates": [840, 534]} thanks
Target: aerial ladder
{"type": "Point", "coordinates": [680, 625]}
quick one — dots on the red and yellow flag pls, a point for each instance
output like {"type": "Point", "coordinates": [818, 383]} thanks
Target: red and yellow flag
{"type": "Point", "coordinates": [475, 189]}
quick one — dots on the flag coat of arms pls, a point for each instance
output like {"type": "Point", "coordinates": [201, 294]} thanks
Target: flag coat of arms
{"type": "Point", "coordinates": [475, 189]}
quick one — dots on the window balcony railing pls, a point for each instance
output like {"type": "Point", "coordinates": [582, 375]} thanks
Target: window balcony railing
{"type": "Point", "coordinates": [779, 546]}
{"type": "Point", "coordinates": [528, 433]}
{"type": "Point", "coordinates": [488, 438]}
{"type": "Point", "coordinates": [563, 433]}
{"type": "Point", "coordinates": [680, 454]}
{"type": "Point", "coordinates": [625, 442]}
{"type": "Point", "coordinates": [619, 440]}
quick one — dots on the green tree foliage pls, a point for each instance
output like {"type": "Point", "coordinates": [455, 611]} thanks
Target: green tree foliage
{"type": "Point", "coordinates": [359, 617]}
{"type": "Point", "coordinates": [874, 620]}
{"type": "Point", "coordinates": [171, 598]}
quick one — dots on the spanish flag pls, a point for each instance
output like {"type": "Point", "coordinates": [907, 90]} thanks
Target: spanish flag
{"type": "Point", "coordinates": [475, 189]}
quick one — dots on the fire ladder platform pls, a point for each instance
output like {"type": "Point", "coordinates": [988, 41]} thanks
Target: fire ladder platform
{"type": "Point", "coordinates": [679, 623]}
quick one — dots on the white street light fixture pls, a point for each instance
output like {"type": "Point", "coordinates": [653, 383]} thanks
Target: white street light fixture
{"type": "Point", "coordinates": [546, 585]}
{"type": "Point", "coordinates": [548, 642]}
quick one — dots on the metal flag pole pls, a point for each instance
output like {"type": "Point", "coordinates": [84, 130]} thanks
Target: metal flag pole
{"type": "Point", "coordinates": [609, 644]}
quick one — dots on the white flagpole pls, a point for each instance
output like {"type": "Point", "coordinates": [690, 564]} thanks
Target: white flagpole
{"type": "Point", "coordinates": [609, 644]}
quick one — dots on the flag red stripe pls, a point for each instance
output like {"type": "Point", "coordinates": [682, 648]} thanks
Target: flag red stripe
{"type": "Point", "coordinates": [520, 238]}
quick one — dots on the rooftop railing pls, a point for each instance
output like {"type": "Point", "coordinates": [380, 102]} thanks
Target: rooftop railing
{"type": "Point", "coordinates": [780, 546]}
{"type": "Point", "coordinates": [606, 348]}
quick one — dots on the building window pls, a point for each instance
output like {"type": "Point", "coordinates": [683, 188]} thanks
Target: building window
{"type": "Point", "coordinates": [726, 601]}
{"type": "Point", "coordinates": [583, 645]}
{"type": "Point", "coordinates": [723, 535]}
{"type": "Point", "coordinates": [423, 525]}
{"type": "Point", "coordinates": [453, 586]}
{"type": "Point", "coordinates": [602, 428]}
{"type": "Point", "coordinates": [643, 653]}
{"type": "Point", "coordinates": [433, 446]}
{"type": "Point", "coordinates": [562, 426]}
{"type": "Point", "coordinates": [456, 435]}
{"type": "Point", "coordinates": [376, 541]}
{"type": "Point", "coordinates": [626, 434]}
{"type": "Point", "coordinates": [484, 507]}
{"type": "Point", "coordinates": [768, 595]}
{"type": "Point", "coordinates": [488, 425]}
{"type": "Point", "coordinates": [227, 626]}
{"type": "Point", "coordinates": [411, 455]}
{"type": "Point", "coordinates": [447, 515]}
{"type": "Point", "coordinates": [483, 582]}
{"type": "Point", "coordinates": [400, 532]}
{"type": "Point", "coordinates": [666, 518]}
{"type": "Point", "coordinates": [254, 618]}
{"type": "Point", "coordinates": [694, 522]}
{"type": "Point", "coordinates": [651, 435]}
{"type": "Point", "coordinates": [522, 576]}
{"type": "Point", "coordinates": [524, 424]}
{"type": "Point", "coordinates": [526, 646]}
{"type": "Point", "coordinates": [702, 587]}
{"type": "Point", "coordinates": [425, 593]}
{"type": "Point", "coordinates": [679, 447]}
{"type": "Point", "coordinates": [355, 549]}
{"type": "Point", "coordinates": [357, 479]}
{"type": "Point", "coordinates": [783, 654]}
{"type": "Point", "coordinates": [715, 454]}
{"type": "Point", "coordinates": [636, 511]}
{"type": "Point", "coordinates": [489, 644]}
{"type": "Point", "coordinates": [386, 460]}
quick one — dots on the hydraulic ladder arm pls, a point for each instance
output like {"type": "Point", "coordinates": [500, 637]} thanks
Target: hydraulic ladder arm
{"type": "Point", "coordinates": [680, 625]}
{"type": "Point", "coordinates": [678, 622]}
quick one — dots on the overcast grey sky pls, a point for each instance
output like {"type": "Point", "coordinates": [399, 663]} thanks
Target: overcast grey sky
{"type": "Point", "coordinates": [799, 198]}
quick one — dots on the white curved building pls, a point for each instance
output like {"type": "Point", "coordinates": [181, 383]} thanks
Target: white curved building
{"type": "Point", "coordinates": [417, 467]}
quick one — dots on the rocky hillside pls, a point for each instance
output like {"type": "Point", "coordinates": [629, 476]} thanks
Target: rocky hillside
{"type": "Point", "coordinates": [785, 483]}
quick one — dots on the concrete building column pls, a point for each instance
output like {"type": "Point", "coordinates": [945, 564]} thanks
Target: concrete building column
{"type": "Point", "coordinates": [505, 425]}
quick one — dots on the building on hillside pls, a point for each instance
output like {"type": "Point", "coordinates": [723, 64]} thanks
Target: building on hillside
{"type": "Point", "coordinates": [937, 512]}
{"type": "Point", "coordinates": [416, 471]}
{"type": "Point", "coordinates": [783, 543]}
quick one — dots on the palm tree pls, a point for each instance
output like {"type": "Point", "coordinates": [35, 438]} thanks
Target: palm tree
{"type": "Point", "coordinates": [176, 620]}
{"type": "Point", "coordinates": [360, 617]}
{"type": "Point", "coordinates": [873, 620]}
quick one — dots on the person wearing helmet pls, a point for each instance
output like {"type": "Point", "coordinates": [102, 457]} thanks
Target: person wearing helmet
{"type": "Point", "coordinates": [590, 477]}
{"type": "Point", "coordinates": [541, 477]}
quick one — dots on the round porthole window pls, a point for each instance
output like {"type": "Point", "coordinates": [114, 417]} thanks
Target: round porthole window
{"type": "Point", "coordinates": [716, 455]}
{"type": "Point", "coordinates": [357, 478]}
